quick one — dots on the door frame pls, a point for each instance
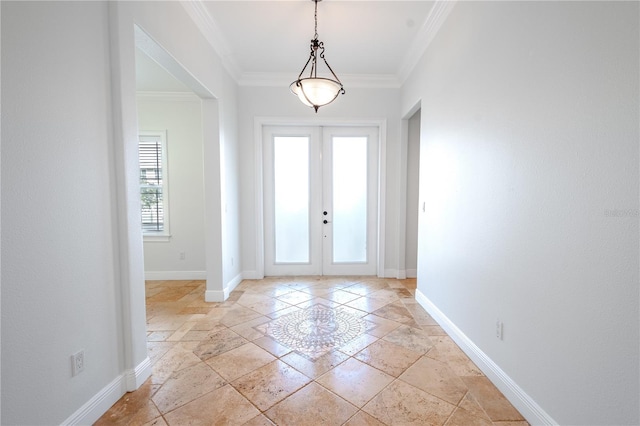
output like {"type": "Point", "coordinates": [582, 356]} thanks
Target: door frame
{"type": "Point", "coordinates": [261, 122]}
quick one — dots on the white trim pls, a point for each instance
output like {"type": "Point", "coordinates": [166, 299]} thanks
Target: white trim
{"type": "Point", "coordinates": [211, 31]}
{"type": "Point", "coordinates": [411, 273]}
{"type": "Point", "coordinates": [95, 407]}
{"type": "Point", "coordinates": [222, 295]}
{"type": "Point", "coordinates": [175, 275]}
{"type": "Point", "coordinates": [251, 275]}
{"type": "Point", "coordinates": [216, 295]}
{"type": "Point", "coordinates": [390, 273]}
{"type": "Point", "coordinates": [514, 393]}
{"type": "Point", "coordinates": [437, 16]}
{"type": "Point", "coordinates": [136, 377]}
{"type": "Point", "coordinates": [160, 238]}
{"type": "Point", "coordinates": [234, 283]}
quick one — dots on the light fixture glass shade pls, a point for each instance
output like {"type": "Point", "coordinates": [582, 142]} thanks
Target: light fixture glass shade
{"type": "Point", "coordinates": [316, 91]}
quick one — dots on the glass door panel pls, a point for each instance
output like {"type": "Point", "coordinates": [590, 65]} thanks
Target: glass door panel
{"type": "Point", "coordinates": [349, 189]}
{"type": "Point", "coordinates": [291, 193]}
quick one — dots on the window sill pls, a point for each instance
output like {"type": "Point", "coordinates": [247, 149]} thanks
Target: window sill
{"type": "Point", "coordinates": [156, 238]}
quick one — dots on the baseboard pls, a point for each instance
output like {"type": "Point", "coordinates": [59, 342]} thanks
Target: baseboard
{"type": "Point", "coordinates": [93, 409]}
{"type": "Point", "coordinates": [175, 275]}
{"type": "Point", "coordinates": [531, 411]}
{"type": "Point", "coordinates": [390, 273]}
{"type": "Point", "coordinates": [234, 283]}
{"type": "Point", "coordinates": [412, 273]}
{"type": "Point", "coordinates": [222, 295]}
{"type": "Point", "coordinates": [251, 275]}
{"type": "Point", "coordinates": [137, 376]}
{"type": "Point", "coordinates": [99, 404]}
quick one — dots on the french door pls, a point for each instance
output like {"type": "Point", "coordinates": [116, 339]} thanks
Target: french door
{"type": "Point", "coordinates": [320, 200]}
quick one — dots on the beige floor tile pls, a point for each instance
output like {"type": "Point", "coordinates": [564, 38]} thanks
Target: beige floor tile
{"type": "Point", "coordinates": [317, 367]}
{"type": "Point", "coordinates": [240, 361]}
{"type": "Point", "coordinates": [237, 315]}
{"type": "Point", "coordinates": [259, 420]}
{"type": "Point", "coordinates": [403, 404]}
{"type": "Point", "coordinates": [269, 306]}
{"type": "Point", "coordinates": [497, 407]}
{"type": "Point", "coordinates": [158, 336]}
{"type": "Point", "coordinates": [395, 311]}
{"type": "Point", "coordinates": [181, 331]}
{"type": "Point", "coordinates": [436, 378]}
{"type": "Point", "coordinates": [363, 419]}
{"type": "Point", "coordinates": [419, 314]}
{"type": "Point", "coordinates": [311, 405]}
{"type": "Point", "coordinates": [166, 322]}
{"type": "Point", "coordinates": [341, 297]}
{"type": "Point", "coordinates": [461, 417]}
{"type": "Point", "coordinates": [247, 329]}
{"type": "Point", "coordinates": [222, 406]}
{"type": "Point", "coordinates": [283, 312]}
{"type": "Point", "coordinates": [295, 297]}
{"type": "Point", "coordinates": [382, 326]}
{"type": "Point", "coordinates": [447, 351]}
{"type": "Point", "coordinates": [180, 356]}
{"type": "Point", "coordinates": [433, 330]}
{"type": "Point", "coordinates": [185, 386]}
{"type": "Point", "coordinates": [358, 344]}
{"type": "Point", "coordinates": [270, 384]}
{"type": "Point", "coordinates": [218, 343]}
{"type": "Point", "coordinates": [272, 346]}
{"type": "Point", "coordinates": [132, 408]}
{"type": "Point", "coordinates": [385, 294]}
{"type": "Point", "coordinates": [388, 357]}
{"type": "Point", "coordinates": [410, 338]}
{"type": "Point", "coordinates": [470, 404]}
{"type": "Point", "coordinates": [367, 304]}
{"type": "Point", "coordinates": [355, 381]}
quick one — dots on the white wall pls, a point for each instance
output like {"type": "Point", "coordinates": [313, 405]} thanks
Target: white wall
{"type": "Point", "coordinates": [72, 267]}
{"type": "Point", "coordinates": [529, 168]}
{"type": "Point", "coordinates": [59, 277]}
{"type": "Point", "coordinates": [357, 104]}
{"type": "Point", "coordinates": [179, 115]}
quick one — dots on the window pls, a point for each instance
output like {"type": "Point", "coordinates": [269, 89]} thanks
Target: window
{"type": "Point", "coordinates": [154, 197]}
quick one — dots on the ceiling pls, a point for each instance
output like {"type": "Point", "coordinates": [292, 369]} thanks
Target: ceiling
{"type": "Point", "coordinates": [266, 42]}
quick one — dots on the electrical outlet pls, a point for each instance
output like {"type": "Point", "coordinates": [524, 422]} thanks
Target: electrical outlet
{"type": "Point", "coordinates": [182, 255]}
{"type": "Point", "coordinates": [499, 329]}
{"type": "Point", "coordinates": [77, 363]}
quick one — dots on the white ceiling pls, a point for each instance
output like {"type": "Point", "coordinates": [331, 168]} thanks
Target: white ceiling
{"type": "Point", "coordinates": [266, 42]}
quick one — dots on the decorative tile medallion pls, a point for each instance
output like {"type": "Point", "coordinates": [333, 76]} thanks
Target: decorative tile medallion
{"type": "Point", "coordinates": [314, 331]}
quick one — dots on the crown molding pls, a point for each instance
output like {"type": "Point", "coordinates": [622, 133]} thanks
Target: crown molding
{"type": "Point", "coordinates": [198, 12]}
{"type": "Point", "coordinates": [437, 15]}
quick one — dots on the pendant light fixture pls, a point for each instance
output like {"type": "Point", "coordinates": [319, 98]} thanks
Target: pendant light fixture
{"type": "Point", "coordinates": [316, 91]}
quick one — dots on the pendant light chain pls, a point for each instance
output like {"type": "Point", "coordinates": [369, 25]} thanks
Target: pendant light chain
{"type": "Point", "coordinates": [315, 16]}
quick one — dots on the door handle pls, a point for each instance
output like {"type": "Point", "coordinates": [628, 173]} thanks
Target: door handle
{"type": "Point", "coordinates": [325, 221]}
{"type": "Point", "coordinates": [325, 213]}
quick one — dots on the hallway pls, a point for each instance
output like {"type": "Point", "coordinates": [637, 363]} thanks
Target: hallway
{"type": "Point", "coordinates": [305, 350]}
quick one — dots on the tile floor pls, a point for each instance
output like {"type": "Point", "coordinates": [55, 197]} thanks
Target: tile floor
{"type": "Point", "coordinates": [305, 351]}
